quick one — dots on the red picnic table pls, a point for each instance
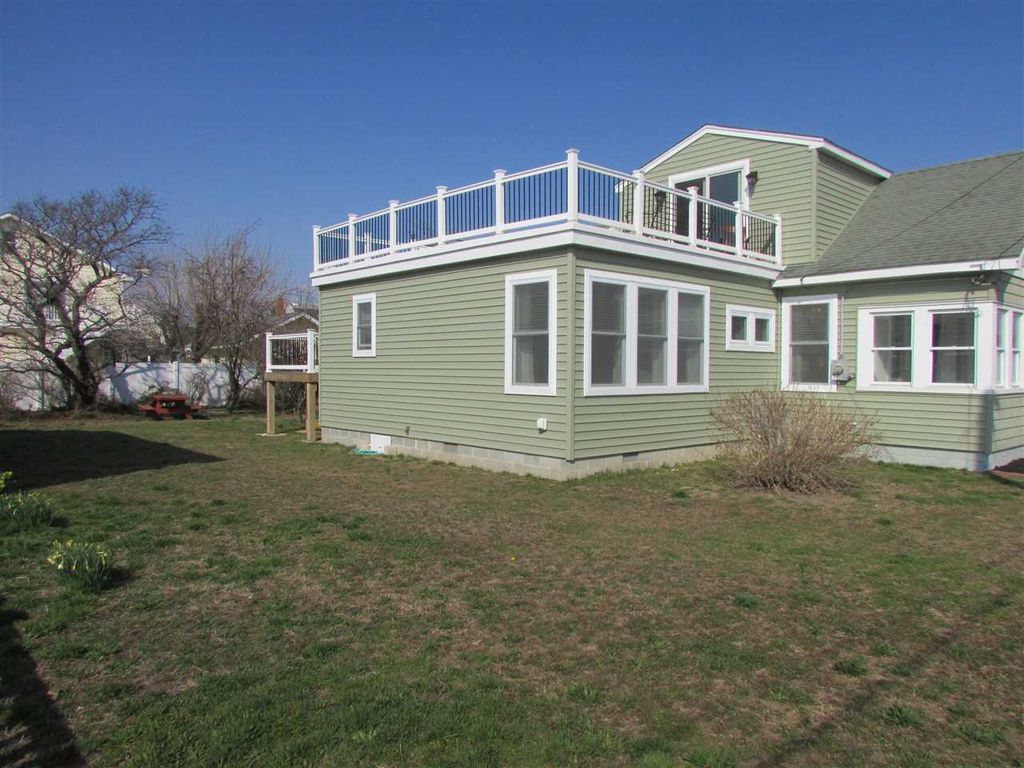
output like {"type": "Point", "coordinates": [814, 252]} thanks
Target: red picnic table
{"type": "Point", "coordinates": [170, 404]}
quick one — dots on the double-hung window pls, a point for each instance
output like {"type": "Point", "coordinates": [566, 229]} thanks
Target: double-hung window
{"type": "Point", "coordinates": [530, 340]}
{"type": "Point", "coordinates": [1003, 317]}
{"type": "Point", "coordinates": [809, 340]}
{"type": "Point", "coordinates": [1017, 349]}
{"type": "Point", "coordinates": [749, 329]}
{"type": "Point", "coordinates": [892, 347]}
{"type": "Point", "coordinates": [953, 347]}
{"type": "Point", "coordinates": [364, 325]}
{"type": "Point", "coordinates": [1009, 347]}
{"type": "Point", "coordinates": [644, 335]}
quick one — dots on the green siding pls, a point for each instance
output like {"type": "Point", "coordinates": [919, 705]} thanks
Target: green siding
{"type": "Point", "coordinates": [439, 373]}
{"type": "Point", "coordinates": [1007, 421]}
{"type": "Point", "coordinates": [840, 190]}
{"type": "Point", "coordinates": [615, 424]}
{"type": "Point", "coordinates": [784, 182]}
{"type": "Point", "coordinates": [913, 419]}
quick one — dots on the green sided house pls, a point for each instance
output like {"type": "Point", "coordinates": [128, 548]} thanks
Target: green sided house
{"type": "Point", "coordinates": [572, 319]}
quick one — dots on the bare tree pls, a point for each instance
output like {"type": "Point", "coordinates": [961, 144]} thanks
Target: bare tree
{"type": "Point", "coordinates": [70, 268]}
{"type": "Point", "coordinates": [231, 287]}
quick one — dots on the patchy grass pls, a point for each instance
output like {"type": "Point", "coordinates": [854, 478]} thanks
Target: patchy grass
{"type": "Point", "coordinates": [289, 604]}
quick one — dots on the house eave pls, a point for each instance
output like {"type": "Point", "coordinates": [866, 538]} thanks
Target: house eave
{"type": "Point", "coordinates": [562, 235]}
{"type": "Point", "coordinates": [1010, 263]}
{"type": "Point", "coordinates": [811, 142]}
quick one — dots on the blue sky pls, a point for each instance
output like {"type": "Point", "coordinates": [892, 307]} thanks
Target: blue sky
{"type": "Point", "coordinates": [295, 113]}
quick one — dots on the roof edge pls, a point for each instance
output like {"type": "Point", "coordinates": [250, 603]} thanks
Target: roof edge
{"type": "Point", "coordinates": [1008, 263]}
{"type": "Point", "coordinates": [811, 142]}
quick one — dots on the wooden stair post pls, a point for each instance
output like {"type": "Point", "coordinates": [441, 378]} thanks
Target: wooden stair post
{"type": "Point", "coordinates": [271, 405]}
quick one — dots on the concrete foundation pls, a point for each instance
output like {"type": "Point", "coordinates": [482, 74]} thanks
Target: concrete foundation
{"type": "Point", "coordinates": [550, 467]}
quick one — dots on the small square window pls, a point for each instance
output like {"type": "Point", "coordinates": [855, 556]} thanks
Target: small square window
{"type": "Point", "coordinates": [749, 329]}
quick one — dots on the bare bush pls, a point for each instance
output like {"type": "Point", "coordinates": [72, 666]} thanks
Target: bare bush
{"type": "Point", "coordinates": [198, 387]}
{"type": "Point", "coordinates": [792, 440]}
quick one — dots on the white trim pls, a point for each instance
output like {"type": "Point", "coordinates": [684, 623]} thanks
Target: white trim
{"type": "Point", "coordinates": [371, 299]}
{"type": "Point", "coordinates": [632, 283]}
{"type": "Point", "coordinates": [833, 339]}
{"type": "Point", "coordinates": [743, 166]}
{"type": "Point", "coordinates": [549, 276]}
{"type": "Point", "coordinates": [562, 235]}
{"type": "Point", "coordinates": [811, 142]}
{"type": "Point", "coordinates": [752, 314]}
{"type": "Point", "coordinates": [922, 350]}
{"type": "Point", "coordinates": [1005, 263]}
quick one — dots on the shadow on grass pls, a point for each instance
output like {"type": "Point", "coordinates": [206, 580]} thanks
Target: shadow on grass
{"type": "Point", "coordinates": [40, 458]}
{"type": "Point", "coordinates": [792, 750]}
{"type": "Point", "coordinates": [33, 730]}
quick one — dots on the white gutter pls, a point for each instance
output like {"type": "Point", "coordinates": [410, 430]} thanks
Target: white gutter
{"type": "Point", "coordinates": [991, 265]}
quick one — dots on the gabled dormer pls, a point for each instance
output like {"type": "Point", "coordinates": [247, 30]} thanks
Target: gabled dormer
{"type": "Point", "coordinates": [814, 184]}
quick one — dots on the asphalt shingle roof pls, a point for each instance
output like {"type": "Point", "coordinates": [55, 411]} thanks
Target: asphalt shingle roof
{"type": "Point", "coordinates": [966, 211]}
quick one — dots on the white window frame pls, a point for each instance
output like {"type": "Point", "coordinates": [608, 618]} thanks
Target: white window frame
{"type": "Point", "coordinates": [632, 284]}
{"type": "Point", "coordinates": [743, 166]}
{"type": "Point", "coordinates": [549, 276]}
{"type": "Point", "coordinates": [1011, 376]}
{"type": "Point", "coordinates": [371, 299]}
{"type": "Point", "coordinates": [788, 302]}
{"type": "Point", "coordinates": [751, 314]}
{"type": "Point", "coordinates": [1016, 351]}
{"type": "Point", "coordinates": [985, 318]}
{"type": "Point", "coordinates": [1004, 324]}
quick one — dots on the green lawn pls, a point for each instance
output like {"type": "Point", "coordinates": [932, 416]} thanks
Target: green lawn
{"type": "Point", "coordinates": [285, 604]}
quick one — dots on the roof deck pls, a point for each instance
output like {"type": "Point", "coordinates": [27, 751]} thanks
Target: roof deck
{"type": "Point", "coordinates": [569, 193]}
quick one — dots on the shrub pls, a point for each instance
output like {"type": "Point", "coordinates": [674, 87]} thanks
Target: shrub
{"type": "Point", "coordinates": [82, 563]}
{"type": "Point", "coordinates": [4, 477]}
{"type": "Point", "coordinates": [790, 440]}
{"type": "Point", "coordinates": [25, 510]}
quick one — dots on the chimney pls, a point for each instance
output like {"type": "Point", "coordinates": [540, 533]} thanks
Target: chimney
{"type": "Point", "coordinates": [280, 307]}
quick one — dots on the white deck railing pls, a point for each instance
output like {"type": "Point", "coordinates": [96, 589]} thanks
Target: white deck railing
{"type": "Point", "coordinates": [293, 352]}
{"type": "Point", "coordinates": [568, 191]}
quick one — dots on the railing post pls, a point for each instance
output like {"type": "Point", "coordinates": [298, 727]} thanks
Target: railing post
{"type": "Point", "coordinates": [499, 200]}
{"type": "Point", "coordinates": [392, 219]}
{"type": "Point", "coordinates": [691, 225]}
{"type": "Point", "coordinates": [310, 350]}
{"type": "Point", "coordinates": [352, 237]}
{"type": "Point", "coordinates": [316, 247]}
{"type": "Point", "coordinates": [638, 201]}
{"type": "Point", "coordinates": [738, 228]}
{"type": "Point", "coordinates": [441, 234]}
{"type": "Point", "coordinates": [269, 352]}
{"type": "Point", "coordinates": [778, 237]}
{"type": "Point", "coordinates": [572, 164]}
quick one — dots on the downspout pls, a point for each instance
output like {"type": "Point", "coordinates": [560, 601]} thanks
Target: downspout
{"type": "Point", "coordinates": [570, 397]}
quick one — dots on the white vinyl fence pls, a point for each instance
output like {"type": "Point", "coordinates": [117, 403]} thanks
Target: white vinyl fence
{"type": "Point", "coordinates": [205, 383]}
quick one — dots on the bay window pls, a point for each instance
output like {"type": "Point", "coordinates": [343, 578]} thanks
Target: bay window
{"type": "Point", "coordinates": [530, 342]}
{"type": "Point", "coordinates": [939, 347]}
{"type": "Point", "coordinates": [644, 335]}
